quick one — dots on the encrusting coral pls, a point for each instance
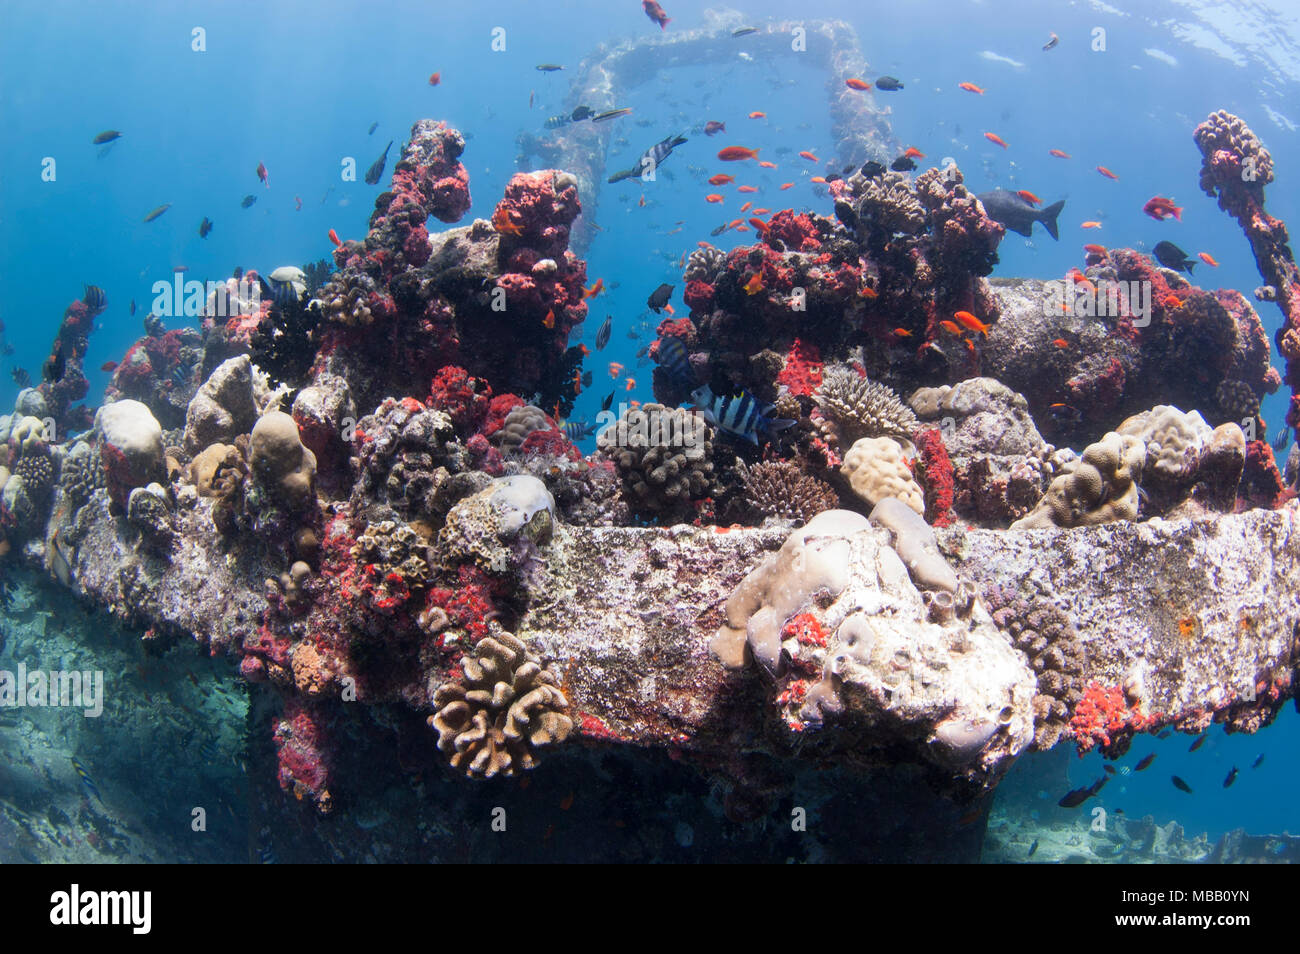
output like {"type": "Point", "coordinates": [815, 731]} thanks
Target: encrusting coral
{"type": "Point", "coordinates": [508, 705]}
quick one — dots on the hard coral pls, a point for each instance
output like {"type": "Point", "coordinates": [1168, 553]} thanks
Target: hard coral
{"type": "Point", "coordinates": [506, 708]}
{"type": "Point", "coordinates": [665, 458]}
{"type": "Point", "coordinates": [862, 408]}
{"type": "Point", "coordinates": [780, 489]}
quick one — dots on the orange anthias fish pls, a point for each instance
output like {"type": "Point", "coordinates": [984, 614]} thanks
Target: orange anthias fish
{"type": "Point", "coordinates": [855, 83]}
{"type": "Point", "coordinates": [868, 292]}
{"type": "Point", "coordinates": [1106, 172]}
{"type": "Point", "coordinates": [767, 165]}
{"type": "Point", "coordinates": [951, 327]}
{"type": "Point", "coordinates": [911, 152]}
{"type": "Point", "coordinates": [504, 223]}
{"type": "Point", "coordinates": [995, 138]}
{"type": "Point", "coordinates": [1029, 197]}
{"type": "Point", "coordinates": [631, 384]}
{"type": "Point", "coordinates": [970, 88]}
{"type": "Point", "coordinates": [754, 285]}
{"type": "Point", "coordinates": [820, 180]}
{"type": "Point", "coordinates": [1208, 259]}
{"type": "Point", "coordinates": [1061, 343]}
{"type": "Point", "coordinates": [739, 228]}
{"type": "Point", "coordinates": [655, 12]}
{"type": "Point", "coordinates": [615, 369]}
{"type": "Point", "coordinates": [549, 321]}
{"type": "Point", "coordinates": [786, 185]}
{"type": "Point", "coordinates": [435, 79]}
{"type": "Point", "coordinates": [334, 237]}
{"type": "Point", "coordinates": [595, 289]}
{"type": "Point", "coordinates": [757, 115]}
{"type": "Point", "coordinates": [746, 207]}
{"type": "Point", "coordinates": [746, 188]}
{"type": "Point", "coordinates": [902, 333]}
{"type": "Point", "coordinates": [721, 179]}
{"type": "Point", "coordinates": [641, 202]}
{"type": "Point", "coordinates": [1160, 208]}
{"type": "Point", "coordinates": [809, 156]}
{"type": "Point", "coordinates": [736, 224]}
{"type": "Point", "coordinates": [736, 153]}
{"type": "Point", "coordinates": [1095, 249]}
{"type": "Point", "coordinates": [1090, 225]}
{"type": "Point", "coordinates": [262, 174]}
{"type": "Point", "coordinates": [714, 197]}
{"type": "Point", "coordinates": [1058, 153]}
{"type": "Point", "coordinates": [971, 323]}
{"type": "Point", "coordinates": [759, 225]}
{"type": "Point", "coordinates": [762, 211]}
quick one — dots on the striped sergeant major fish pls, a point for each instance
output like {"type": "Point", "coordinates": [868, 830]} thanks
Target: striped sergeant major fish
{"type": "Point", "coordinates": [577, 430]}
{"type": "Point", "coordinates": [672, 357]}
{"type": "Point", "coordinates": [651, 159]}
{"type": "Point", "coordinates": [87, 782]}
{"type": "Point", "coordinates": [740, 415]}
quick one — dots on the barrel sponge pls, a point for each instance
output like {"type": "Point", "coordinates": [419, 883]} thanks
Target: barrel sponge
{"type": "Point", "coordinates": [812, 559]}
{"type": "Point", "coordinates": [1101, 487]}
{"type": "Point", "coordinates": [875, 469]}
{"type": "Point", "coordinates": [1174, 440]}
{"type": "Point", "coordinates": [280, 461]}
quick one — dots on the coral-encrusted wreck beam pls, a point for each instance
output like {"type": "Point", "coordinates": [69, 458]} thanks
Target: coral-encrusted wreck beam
{"type": "Point", "coordinates": [1170, 622]}
{"type": "Point", "coordinates": [602, 80]}
{"type": "Point", "coordinates": [1235, 168]}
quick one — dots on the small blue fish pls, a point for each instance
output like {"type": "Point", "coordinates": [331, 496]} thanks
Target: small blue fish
{"type": "Point", "coordinates": [87, 782]}
{"type": "Point", "coordinates": [740, 415]}
{"type": "Point", "coordinates": [602, 336]}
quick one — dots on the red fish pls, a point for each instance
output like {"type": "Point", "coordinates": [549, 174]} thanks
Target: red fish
{"type": "Point", "coordinates": [713, 127]}
{"type": "Point", "coordinates": [1208, 259]}
{"type": "Point", "coordinates": [1061, 343]}
{"type": "Point", "coordinates": [857, 84]}
{"type": "Point", "coordinates": [746, 188]}
{"type": "Point", "coordinates": [735, 224]}
{"type": "Point", "coordinates": [820, 180]}
{"type": "Point", "coordinates": [809, 156]}
{"type": "Point", "coordinates": [721, 179]}
{"type": "Point", "coordinates": [757, 115]}
{"type": "Point", "coordinates": [595, 289]}
{"type": "Point", "coordinates": [1058, 153]}
{"type": "Point", "coordinates": [334, 237]}
{"type": "Point", "coordinates": [549, 321]}
{"type": "Point", "coordinates": [655, 12]}
{"type": "Point", "coordinates": [754, 285]}
{"type": "Point", "coordinates": [714, 197]}
{"type": "Point", "coordinates": [746, 207]}
{"type": "Point", "coordinates": [742, 228]}
{"type": "Point", "coordinates": [109, 366]}
{"type": "Point", "coordinates": [762, 211]}
{"type": "Point", "coordinates": [1029, 197]}
{"type": "Point", "coordinates": [767, 165]}
{"type": "Point", "coordinates": [786, 185]}
{"type": "Point", "coordinates": [995, 138]}
{"type": "Point", "coordinates": [262, 174]}
{"type": "Point", "coordinates": [970, 88]}
{"type": "Point", "coordinates": [951, 327]}
{"type": "Point", "coordinates": [631, 384]}
{"type": "Point", "coordinates": [911, 152]}
{"type": "Point", "coordinates": [902, 333]}
{"type": "Point", "coordinates": [1090, 225]}
{"type": "Point", "coordinates": [1106, 172]}
{"type": "Point", "coordinates": [1095, 249]}
{"type": "Point", "coordinates": [615, 369]}
{"type": "Point", "coordinates": [868, 292]}
{"type": "Point", "coordinates": [759, 225]}
{"type": "Point", "coordinates": [736, 153]}
{"type": "Point", "coordinates": [1160, 208]}
{"type": "Point", "coordinates": [641, 202]}
{"type": "Point", "coordinates": [436, 78]}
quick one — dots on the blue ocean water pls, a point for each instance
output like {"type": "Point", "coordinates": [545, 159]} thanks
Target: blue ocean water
{"type": "Point", "coordinates": [296, 86]}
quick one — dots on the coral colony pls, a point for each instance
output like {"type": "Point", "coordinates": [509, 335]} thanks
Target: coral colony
{"type": "Point", "coordinates": [362, 494]}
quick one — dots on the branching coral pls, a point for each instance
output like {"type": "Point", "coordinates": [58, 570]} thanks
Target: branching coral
{"type": "Point", "coordinates": [888, 203]}
{"type": "Point", "coordinates": [508, 706]}
{"type": "Point", "coordinates": [780, 489]}
{"type": "Point", "coordinates": [862, 408]}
